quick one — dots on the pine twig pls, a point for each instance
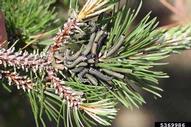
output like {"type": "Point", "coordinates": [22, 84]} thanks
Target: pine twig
{"type": "Point", "coordinates": [20, 81]}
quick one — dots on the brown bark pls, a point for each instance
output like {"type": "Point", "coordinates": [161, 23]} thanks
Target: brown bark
{"type": "Point", "coordinates": [3, 33]}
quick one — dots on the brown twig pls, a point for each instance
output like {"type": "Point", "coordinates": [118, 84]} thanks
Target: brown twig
{"type": "Point", "coordinates": [20, 81]}
{"type": "Point", "coordinates": [172, 8]}
{"type": "Point", "coordinates": [177, 9]}
{"type": "Point", "coordinates": [73, 97]}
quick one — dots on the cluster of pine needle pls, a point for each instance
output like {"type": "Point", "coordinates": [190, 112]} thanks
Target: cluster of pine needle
{"type": "Point", "coordinates": [95, 61]}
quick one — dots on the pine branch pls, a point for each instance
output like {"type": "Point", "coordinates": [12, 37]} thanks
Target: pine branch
{"type": "Point", "coordinates": [73, 24]}
{"type": "Point", "coordinates": [20, 81]}
{"type": "Point", "coordinates": [94, 63]}
{"type": "Point", "coordinates": [36, 62]}
{"type": "Point", "coordinates": [73, 97]}
{"type": "Point", "coordinates": [24, 60]}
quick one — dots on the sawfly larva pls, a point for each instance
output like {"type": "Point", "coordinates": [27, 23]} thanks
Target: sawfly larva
{"type": "Point", "coordinates": [92, 79]}
{"type": "Point", "coordinates": [99, 75]}
{"type": "Point", "coordinates": [116, 46]}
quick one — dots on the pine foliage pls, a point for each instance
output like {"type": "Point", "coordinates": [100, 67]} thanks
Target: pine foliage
{"type": "Point", "coordinates": [96, 61]}
{"type": "Point", "coordinates": [25, 19]}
